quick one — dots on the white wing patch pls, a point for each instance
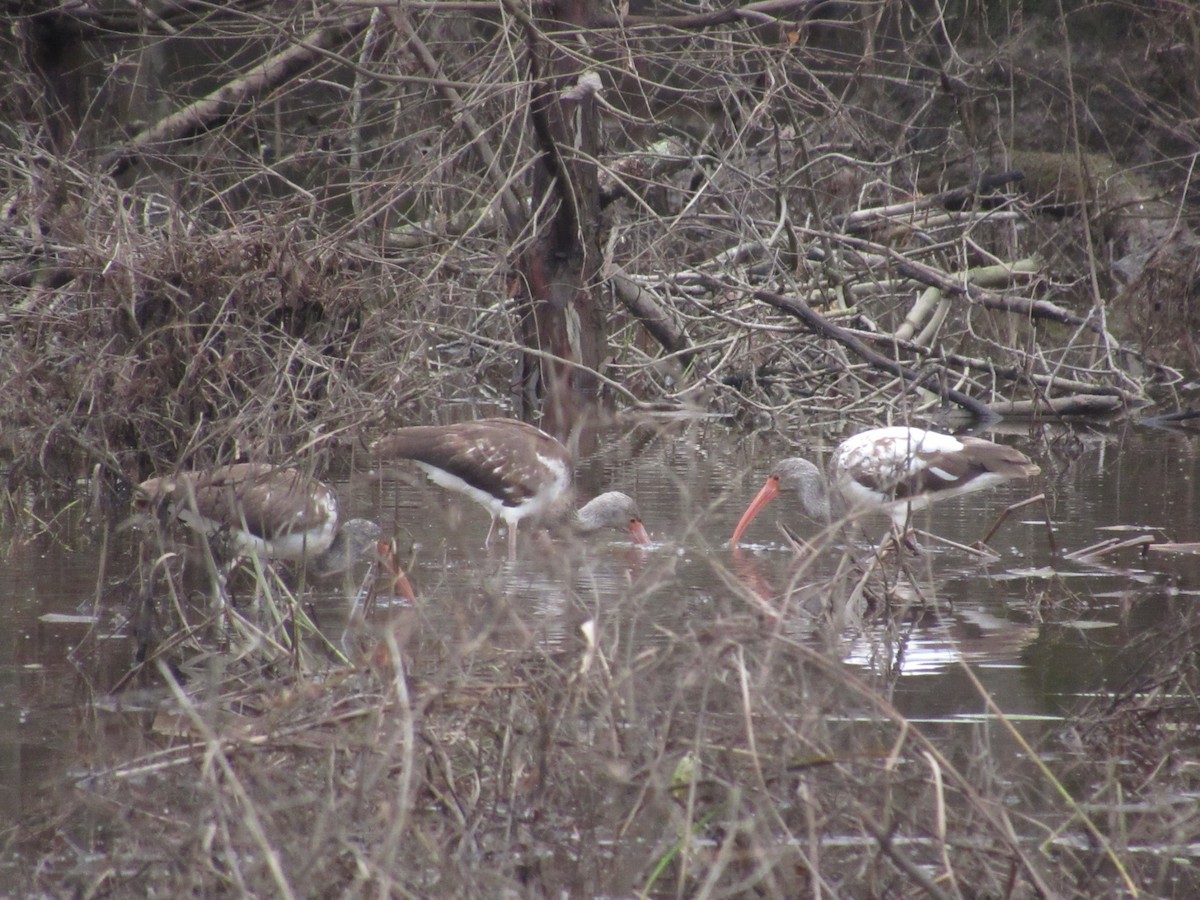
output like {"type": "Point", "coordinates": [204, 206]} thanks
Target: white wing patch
{"type": "Point", "coordinates": [870, 467]}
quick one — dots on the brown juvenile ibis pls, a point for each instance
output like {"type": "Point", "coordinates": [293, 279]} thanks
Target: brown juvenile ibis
{"type": "Point", "coordinates": [512, 469]}
{"type": "Point", "coordinates": [262, 510]}
{"type": "Point", "coordinates": [893, 470]}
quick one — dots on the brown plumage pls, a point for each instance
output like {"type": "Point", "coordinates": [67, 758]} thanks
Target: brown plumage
{"type": "Point", "coordinates": [511, 468]}
{"type": "Point", "coordinates": [264, 510]}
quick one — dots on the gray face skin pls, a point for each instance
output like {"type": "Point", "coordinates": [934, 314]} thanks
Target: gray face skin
{"type": "Point", "coordinates": [350, 544]}
{"type": "Point", "coordinates": [612, 510]}
{"type": "Point", "coordinates": [808, 482]}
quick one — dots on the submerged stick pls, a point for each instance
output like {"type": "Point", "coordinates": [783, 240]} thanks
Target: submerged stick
{"type": "Point", "coordinates": [1036, 498]}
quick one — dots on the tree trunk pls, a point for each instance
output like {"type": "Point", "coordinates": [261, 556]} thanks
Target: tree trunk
{"type": "Point", "coordinates": [563, 321]}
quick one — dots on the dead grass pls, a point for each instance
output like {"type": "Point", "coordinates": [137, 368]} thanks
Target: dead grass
{"type": "Point", "coordinates": [740, 754]}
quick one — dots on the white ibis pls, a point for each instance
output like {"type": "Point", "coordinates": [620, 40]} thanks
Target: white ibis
{"type": "Point", "coordinates": [262, 510]}
{"type": "Point", "coordinates": [512, 469]}
{"type": "Point", "coordinates": [893, 470]}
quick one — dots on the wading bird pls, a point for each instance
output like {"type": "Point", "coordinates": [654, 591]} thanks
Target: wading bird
{"type": "Point", "coordinates": [893, 470]}
{"type": "Point", "coordinates": [512, 469]}
{"type": "Point", "coordinates": [254, 509]}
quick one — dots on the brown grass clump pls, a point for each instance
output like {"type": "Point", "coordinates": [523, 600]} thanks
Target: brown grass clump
{"type": "Point", "coordinates": [1151, 720]}
{"type": "Point", "coordinates": [461, 753]}
{"type": "Point", "coordinates": [150, 355]}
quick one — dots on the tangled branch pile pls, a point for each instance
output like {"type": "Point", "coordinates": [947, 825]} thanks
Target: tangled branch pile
{"type": "Point", "coordinates": [794, 212]}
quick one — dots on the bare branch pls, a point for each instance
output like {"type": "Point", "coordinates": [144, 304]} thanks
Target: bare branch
{"type": "Point", "coordinates": [230, 99]}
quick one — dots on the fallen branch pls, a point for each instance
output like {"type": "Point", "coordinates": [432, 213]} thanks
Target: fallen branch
{"type": "Point", "coordinates": [1014, 374]}
{"type": "Point", "coordinates": [956, 199]}
{"type": "Point", "coordinates": [208, 112]}
{"type": "Point", "coordinates": [1109, 546]}
{"type": "Point", "coordinates": [1191, 549]}
{"type": "Point", "coordinates": [954, 285]}
{"type": "Point", "coordinates": [822, 326]}
{"type": "Point", "coordinates": [933, 299]}
{"type": "Point", "coordinates": [1074, 405]}
{"type": "Point", "coordinates": [645, 306]}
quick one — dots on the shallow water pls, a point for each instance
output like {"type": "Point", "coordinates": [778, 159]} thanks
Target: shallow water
{"type": "Point", "coordinates": [1040, 632]}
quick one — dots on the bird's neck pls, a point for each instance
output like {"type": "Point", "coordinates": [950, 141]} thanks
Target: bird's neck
{"type": "Point", "coordinates": [815, 500]}
{"type": "Point", "coordinates": [349, 544]}
{"type": "Point", "coordinates": [585, 519]}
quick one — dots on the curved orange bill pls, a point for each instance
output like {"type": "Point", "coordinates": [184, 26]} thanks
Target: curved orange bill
{"type": "Point", "coordinates": [769, 492]}
{"type": "Point", "coordinates": [392, 578]}
{"type": "Point", "coordinates": [402, 587]}
{"type": "Point", "coordinates": [638, 530]}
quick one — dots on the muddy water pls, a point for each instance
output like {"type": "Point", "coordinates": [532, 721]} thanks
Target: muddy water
{"type": "Point", "coordinates": [1037, 630]}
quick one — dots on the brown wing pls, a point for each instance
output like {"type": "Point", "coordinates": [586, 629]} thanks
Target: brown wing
{"type": "Point", "coordinates": [503, 457]}
{"type": "Point", "coordinates": [999, 458]}
{"type": "Point", "coordinates": [934, 472]}
{"type": "Point", "coordinates": [271, 501]}
{"type": "Point", "coordinates": [978, 459]}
